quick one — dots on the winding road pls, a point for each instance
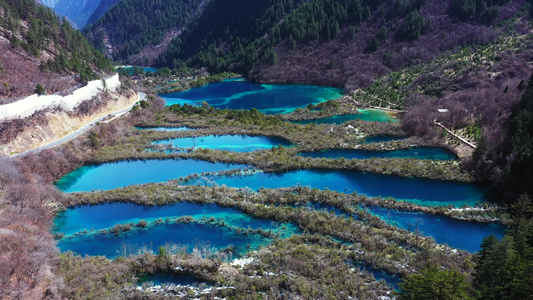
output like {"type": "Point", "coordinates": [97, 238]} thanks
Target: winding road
{"type": "Point", "coordinates": [78, 132]}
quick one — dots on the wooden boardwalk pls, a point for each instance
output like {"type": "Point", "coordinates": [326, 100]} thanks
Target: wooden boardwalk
{"type": "Point", "coordinates": [455, 135]}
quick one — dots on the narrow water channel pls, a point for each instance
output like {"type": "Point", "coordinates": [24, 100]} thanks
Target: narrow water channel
{"type": "Point", "coordinates": [235, 143]}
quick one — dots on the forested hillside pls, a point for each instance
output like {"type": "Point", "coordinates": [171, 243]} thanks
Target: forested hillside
{"type": "Point", "coordinates": [102, 8]}
{"type": "Point", "coordinates": [517, 157]}
{"type": "Point", "coordinates": [317, 41]}
{"type": "Point", "coordinates": [37, 49]}
{"type": "Point", "coordinates": [131, 25]}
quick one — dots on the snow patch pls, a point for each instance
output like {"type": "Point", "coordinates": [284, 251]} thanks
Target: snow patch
{"type": "Point", "coordinates": [468, 209]}
{"type": "Point", "coordinates": [242, 262]}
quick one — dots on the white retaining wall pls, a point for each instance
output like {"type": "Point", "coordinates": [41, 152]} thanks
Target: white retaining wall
{"type": "Point", "coordinates": [28, 106]}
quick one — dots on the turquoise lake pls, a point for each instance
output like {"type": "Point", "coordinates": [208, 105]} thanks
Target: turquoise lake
{"type": "Point", "coordinates": [148, 69]}
{"type": "Point", "coordinates": [267, 98]}
{"type": "Point", "coordinates": [459, 234]}
{"type": "Point", "coordinates": [189, 235]}
{"type": "Point", "coordinates": [145, 69]}
{"type": "Point", "coordinates": [109, 176]}
{"type": "Point", "coordinates": [421, 191]}
{"type": "Point", "coordinates": [371, 115]}
{"type": "Point", "coordinates": [418, 153]}
{"type": "Point", "coordinates": [96, 217]}
{"type": "Point", "coordinates": [235, 143]}
{"type": "Point", "coordinates": [105, 216]}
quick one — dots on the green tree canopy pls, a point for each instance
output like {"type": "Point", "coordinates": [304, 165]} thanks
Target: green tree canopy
{"type": "Point", "coordinates": [519, 145]}
{"type": "Point", "coordinates": [40, 90]}
{"type": "Point", "coordinates": [504, 267]}
{"type": "Point", "coordinates": [434, 284]}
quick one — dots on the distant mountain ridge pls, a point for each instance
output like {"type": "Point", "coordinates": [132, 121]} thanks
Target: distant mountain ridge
{"type": "Point", "coordinates": [80, 12]}
{"type": "Point", "coordinates": [130, 26]}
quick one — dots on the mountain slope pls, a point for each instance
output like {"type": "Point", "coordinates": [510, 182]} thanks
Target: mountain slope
{"type": "Point", "coordinates": [78, 11]}
{"type": "Point", "coordinates": [37, 48]}
{"type": "Point", "coordinates": [341, 43]}
{"type": "Point", "coordinates": [100, 10]}
{"type": "Point", "coordinates": [517, 158]}
{"type": "Point", "coordinates": [131, 25]}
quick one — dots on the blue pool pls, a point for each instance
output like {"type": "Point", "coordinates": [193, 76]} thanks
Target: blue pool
{"type": "Point", "coordinates": [418, 153]}
{"type": "Point", "coordinates": [188, 235]}
{"type": "Point", "coordinates": [96, 217]}
{"type": "Point", "coordinates": [422, 191]}
{"type": "Point", "coordinates": [456, 233]}
{"type": "Point", "coordinates": [123, 173]}
{"type": "Point", "coordinates": [91, 219]}
{"type": "Point", "coordinates": [235, 143]}
{"type": "Point", "coordinates": [371, 115]}
{"type": "Point", "coordinates": [267, 98]}
{"type": "Point", "coordinates": [168, 278]}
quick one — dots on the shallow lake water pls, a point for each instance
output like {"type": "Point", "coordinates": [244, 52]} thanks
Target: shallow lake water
{"type": "Point", "coordinates": [235, 143]}
{"type": "Point", "coordinates": [392, 280]}
{"type": "Point", "coordinates": [188, 235]}
{"type": "Point", "coordinates": [96, 217]}
{"type": "Point", "coordinates": [123, 173]}
{"type": "Point", "coordinates": [417, 152]}
{"type": "Point", "coordinates": [80, 226]}
{"type": "Point", "coordinates": [459, 234]}
{"type": "Point", "coordinates": [145, 69]}
{"type": "Point", "coordinates": [422, 191]}
{"type": "Point", "coordinates": [371, 115]}
{"type": "Point", "coordinates": [418, 190]}
{"type": "Point", "coordinates": [267, 98]}
{"type": "Point", "coordinates": [168, 278]}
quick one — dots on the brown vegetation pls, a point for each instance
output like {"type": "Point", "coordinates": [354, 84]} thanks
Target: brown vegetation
{"type": "Point", "coordinates": [22, 74]}
{"type": "Point", "coordinates": [355, 67]}
{"type": "Point", "coordinates": [28, 256]}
